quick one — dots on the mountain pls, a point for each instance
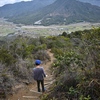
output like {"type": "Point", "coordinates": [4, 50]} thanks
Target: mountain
{"type": "Point", "coordinates": [59, 12]}
{"type": "Point", "coordinates": [93, 2]}
{"type": "Point", "coordinates": [21, 8]}
{"type": "Point", "coordinates": [69, 11]}
{"type": "Point", "coordinates": [65, 12]}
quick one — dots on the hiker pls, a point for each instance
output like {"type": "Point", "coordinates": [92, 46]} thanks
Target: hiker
{"type": "Point", "coordinates": [39, 74]}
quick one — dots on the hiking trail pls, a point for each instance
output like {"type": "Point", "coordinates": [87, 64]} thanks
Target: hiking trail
{"type": "Point", "coordinates": [29, 92]}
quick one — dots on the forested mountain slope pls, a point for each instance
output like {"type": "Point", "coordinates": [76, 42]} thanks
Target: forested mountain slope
{"type": "Point", "coordinates": [20, 8]}
{"type": "Point", "coordinates": [93, 2]}
{"type": "Point", "coordinates": [69, 11]}
{"type": "Point", "coordinates": [59, 12]}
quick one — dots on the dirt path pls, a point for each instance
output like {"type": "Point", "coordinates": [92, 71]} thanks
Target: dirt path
{"type": "Point", "coordinates": [30, 92]}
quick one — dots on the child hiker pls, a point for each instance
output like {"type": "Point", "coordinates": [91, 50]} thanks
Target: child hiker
{"type": "Point", "coordinates": [39, 74]}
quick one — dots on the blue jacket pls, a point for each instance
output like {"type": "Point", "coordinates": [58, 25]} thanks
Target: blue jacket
{"type": "Point", "coordinates": [38, 73]}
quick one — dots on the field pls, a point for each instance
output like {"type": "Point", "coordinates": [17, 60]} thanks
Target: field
{"type": "Point", "coordinates": [8, 28]}
{"type": "Point", "coordinates": [56, 30]}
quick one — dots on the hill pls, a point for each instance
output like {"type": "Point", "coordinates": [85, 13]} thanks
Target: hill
{"type": "Point", "coordinates": [69, 11]}
{"type": "Point", "coordinates": [20, 8]}
{"type": "Point", "coordinates": [93, 2]}
{"type": "Point", "coordinates": [59, 12]}
{"type": "Point", "coordinates": [75, 70]}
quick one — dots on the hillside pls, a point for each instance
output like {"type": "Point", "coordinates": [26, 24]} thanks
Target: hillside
{"type": "Point", "coordinates": [59, 12]}
{"type": "Point", "coordinates": [30, 92]}
{"type": "Point", "coordinates": [69, 11]}
{"type": "Point", "coordinates": [23, 8]}
{"type": "Point", "coordinates": [75, 70]}
{"type": "Point", "coordinates": [93, 2]}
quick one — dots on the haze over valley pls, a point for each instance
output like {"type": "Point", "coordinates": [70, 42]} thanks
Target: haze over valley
{"type": "Point", "coordinates": [10, 29]}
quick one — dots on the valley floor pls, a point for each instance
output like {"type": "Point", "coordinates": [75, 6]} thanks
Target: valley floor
{"type": "Point", "coordinates": [8, 28]}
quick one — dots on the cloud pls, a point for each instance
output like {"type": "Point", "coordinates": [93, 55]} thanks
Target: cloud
{"type": "Point", "coordinates": [3, 2]}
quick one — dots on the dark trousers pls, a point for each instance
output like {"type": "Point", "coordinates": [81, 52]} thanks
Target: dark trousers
{"type": "Point", "coordinates": [42, 85]}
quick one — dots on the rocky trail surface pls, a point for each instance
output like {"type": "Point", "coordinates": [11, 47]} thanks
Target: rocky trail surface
{"type": "Point", "coordinates": [29, 92]}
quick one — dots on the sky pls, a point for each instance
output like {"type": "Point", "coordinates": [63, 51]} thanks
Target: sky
{"type": "Point", "coordinates": [3, 2]}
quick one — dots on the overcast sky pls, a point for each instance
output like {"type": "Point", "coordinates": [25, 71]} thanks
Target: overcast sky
{"type": "Point", "coordinates": [3, 2]}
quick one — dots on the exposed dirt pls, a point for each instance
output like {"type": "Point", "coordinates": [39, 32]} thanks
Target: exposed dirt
{"type": "Point", "coordinates": [29, 92]}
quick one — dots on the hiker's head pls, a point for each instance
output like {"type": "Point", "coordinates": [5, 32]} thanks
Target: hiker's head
{"type": "Point", "coordinates": [37, 62]}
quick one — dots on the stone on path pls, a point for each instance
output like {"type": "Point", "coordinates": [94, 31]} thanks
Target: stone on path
{"type": "Point", "coordinates": [36, 92]}
{"type": "Point", "coordinates": [30, 97]}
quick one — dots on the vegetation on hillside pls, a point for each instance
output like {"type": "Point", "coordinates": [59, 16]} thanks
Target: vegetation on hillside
{"type": "Point", "coordinates": [93, 2]}
{"type": "Point", "coordinates": [50, 12]}
{"type": "Point", "coordinates": [76, 68]}
{"type": "Point", "coordinates": [17, 58]}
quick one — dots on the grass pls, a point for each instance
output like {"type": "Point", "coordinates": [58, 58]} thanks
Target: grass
{"type": "Point", "coordinates": [6, 27]}
{"type": "Point", "coordinates": [5, 30]}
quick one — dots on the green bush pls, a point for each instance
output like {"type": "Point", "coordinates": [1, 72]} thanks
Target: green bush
{"type": "Point", "coordinates": [6, 57]}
